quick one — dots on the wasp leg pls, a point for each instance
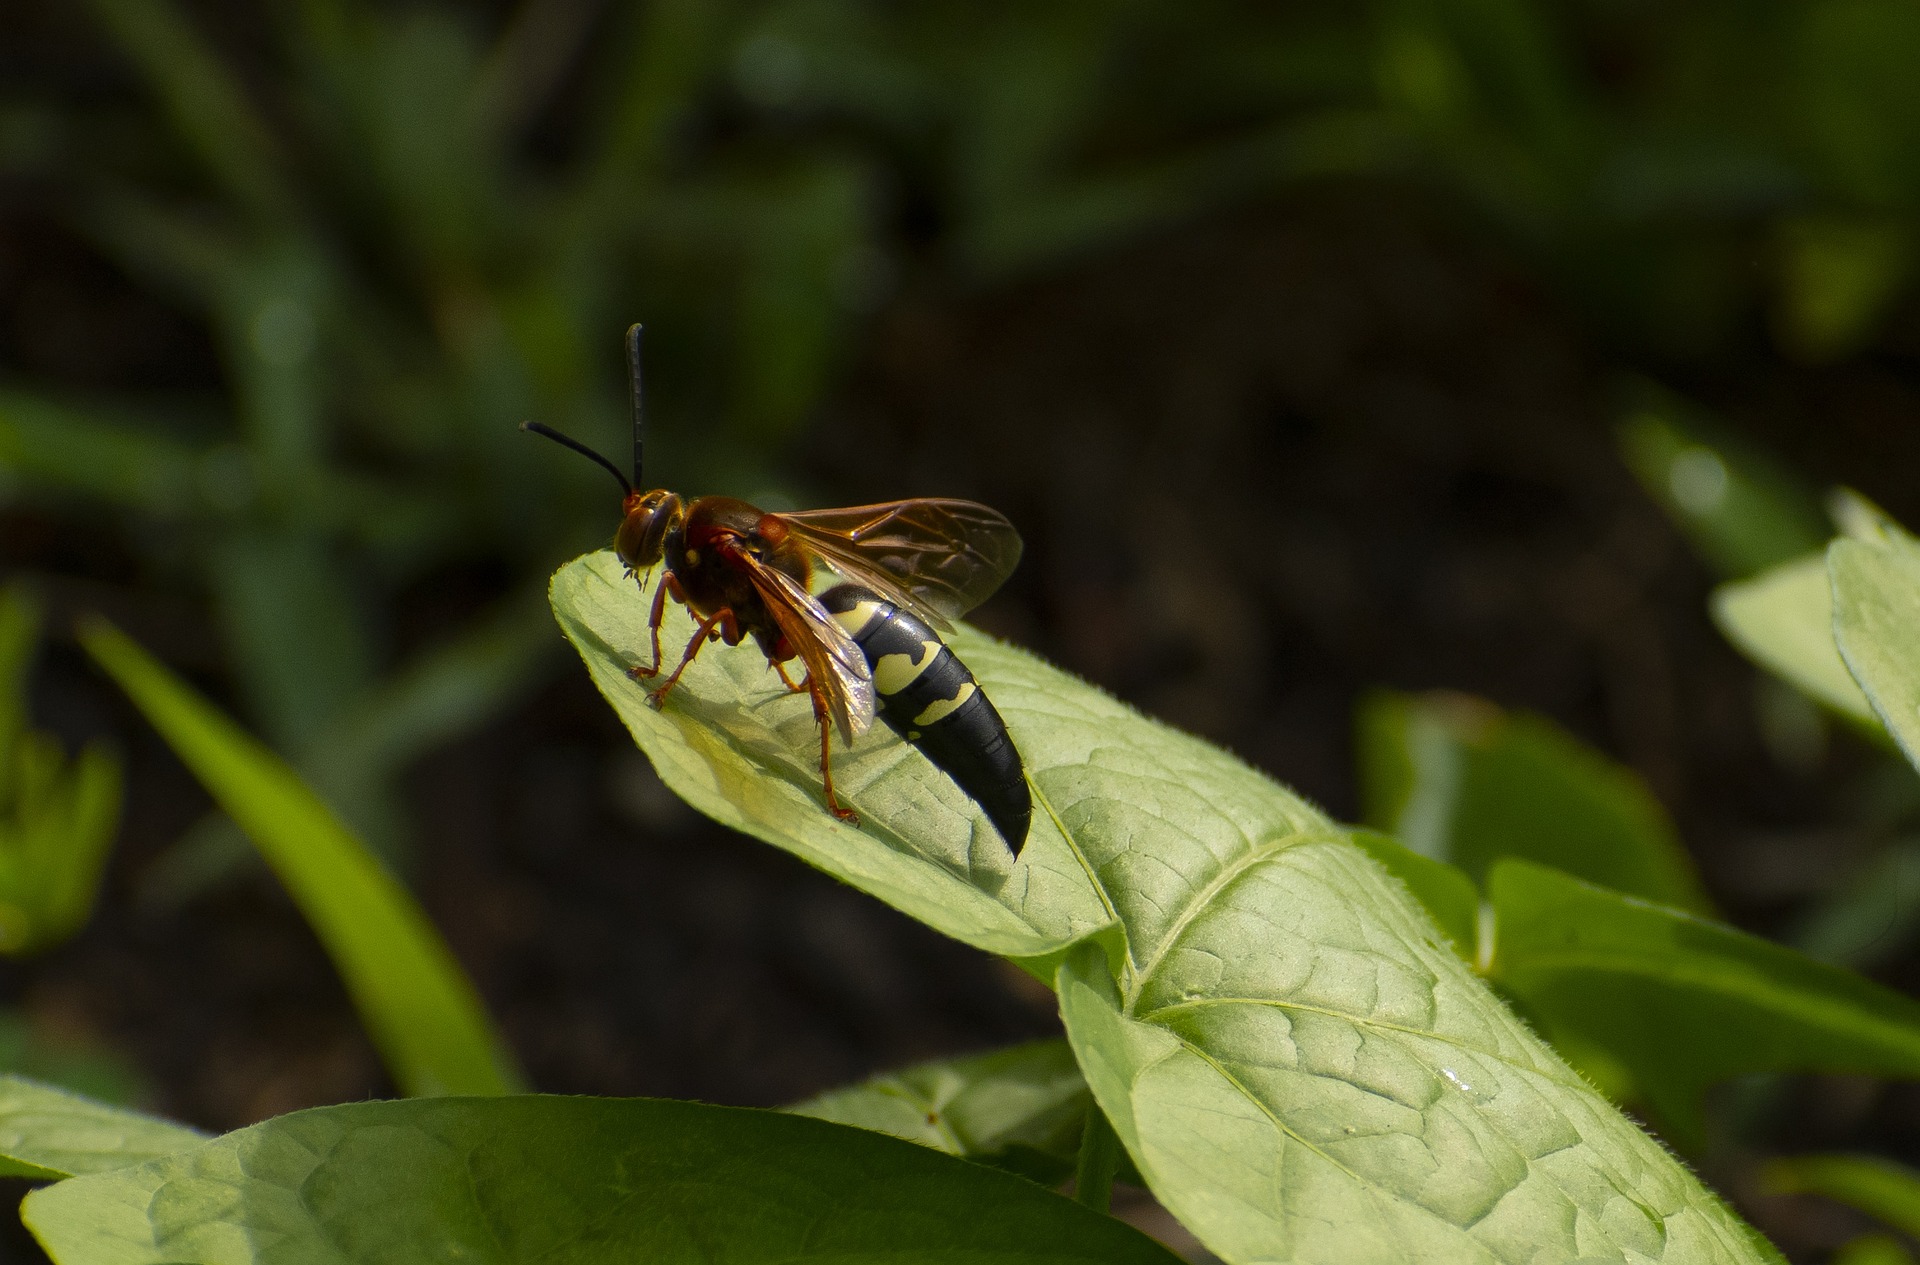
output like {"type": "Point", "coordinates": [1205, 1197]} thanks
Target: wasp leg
{"type": "Point", "coordinates": [701, 636]}
{"type": "Point", "coordinates": [787, 680]}
{"type": "Point", "coordinates": [826, 768]}
{"type": "Point", "coordinates": [654, 621]}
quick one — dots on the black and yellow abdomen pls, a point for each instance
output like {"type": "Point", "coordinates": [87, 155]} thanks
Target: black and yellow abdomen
{"type": "Point", "coordinates": [927, 696]}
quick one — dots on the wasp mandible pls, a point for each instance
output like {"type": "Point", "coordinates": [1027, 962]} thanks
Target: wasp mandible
{"type": "Point", "coordinates": [867, 644]}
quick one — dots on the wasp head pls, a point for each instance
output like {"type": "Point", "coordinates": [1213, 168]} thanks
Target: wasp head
{"type": "Point", "coordinates": [641, 541]}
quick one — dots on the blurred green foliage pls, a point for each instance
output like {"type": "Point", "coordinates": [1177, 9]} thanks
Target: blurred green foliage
{"type": "Point", "coordinates": [1458, 779]}
{"type": "Point", "coordinates": [409, 227]}
{"type": "Point", "coordinates": [58, 816]}
{"type": "Point", "coordinates": [1878, 1187]}
{"type": "Point", "coordinates": [418, 1005]}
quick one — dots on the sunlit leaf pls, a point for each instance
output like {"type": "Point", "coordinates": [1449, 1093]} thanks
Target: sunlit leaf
{"type": "Point", "coordinates": [1450, 897]}
{"type": "Point", "coordinates": [567, 1181]}
{"type": "Point", "coordinates": [416, 1002]}
{"type": "Point", "coordinates": [47, 1132]}
{"type": "Point", "coordinates": [1299, 1062]}
{"type": "Point", "coordinates": [1681, 1002]}
{"type": "Point", "coordinates": [1876, 593]}
{"type": "Point", "coordinates": [1783, 621]}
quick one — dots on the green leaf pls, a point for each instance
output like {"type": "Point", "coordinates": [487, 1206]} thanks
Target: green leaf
{"type": "Point", "coordinates": [416, 1002]}
{"type": "Point", "coordinates": [49, 1133]}
{"type": "Point", "coordinates": [1019, 1108]}
{"type": "Point", "coordinates": [1783, 621]}
{"type": "Point", "coordinates": [734, 744]}
{"type": "Point", "coordinates": [559, 1180]}
{"type": "Point", "coordinates": [1459, 780]}
{"type": "Point", "coordinates": [1680, 1002]}
{"type": "Point", "coordinates": [1878, 1187]}
{"type": "Point", "coordinates": [1876, 610]}
{"type": "Point", "coordinates": [1450, 897]}
{"type": "Point", "coordinates": [1298, 1062]}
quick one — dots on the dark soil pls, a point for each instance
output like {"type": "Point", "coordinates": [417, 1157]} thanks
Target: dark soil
{"type": "Point", "coordinates": [1262, 465]}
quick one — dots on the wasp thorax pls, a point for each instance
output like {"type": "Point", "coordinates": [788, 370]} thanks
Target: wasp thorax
{"type": "Point", "coordinates": [641, 539]}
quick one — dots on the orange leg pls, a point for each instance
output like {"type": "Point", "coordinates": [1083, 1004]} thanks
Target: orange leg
{"type": "Point", "coordinates": [826, 769]}
{"type": "Point", "coordinates": [786, 680]}
{"type": "Point", "coordinates": [654, 621]}
{"type": "Point", "coordinates": [701, 636]}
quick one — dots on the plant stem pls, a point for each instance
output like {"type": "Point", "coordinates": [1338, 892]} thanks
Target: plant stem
{"type": "Point", "coordinates": [1099, 1157]}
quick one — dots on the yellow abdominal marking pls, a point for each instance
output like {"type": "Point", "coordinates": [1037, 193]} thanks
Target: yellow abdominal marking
{"type": "Point", "coordinates": [895, 672]}
{"type": "Point", "coordinates": [945, 707]}
{"type": "Point", "coordinates": [856, 620]}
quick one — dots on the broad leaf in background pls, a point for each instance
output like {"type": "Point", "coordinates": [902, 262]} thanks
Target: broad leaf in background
{"type": "Point", "coordinates": [47, 1132]}
{"type": "Point", "coordinates": [1876, 620]}
{"type": "Point", "coordinates": [1460, 780]}
{"type": "Point", "coordinates": [567, 1181]}
{"type": "Point", "coordinates": [57, 817]}
{"type": "Point", "coordinates": [1020, 1109]}
{"type": "Point", "coordinates": [1682, 1003]}
{"type": "Point", "coordinates": [1878, 1187]}
{"type": "Point", "coordinates": [1741, 510]}
{"type": "Point", "coordinates": [416, 1002]}
{"type": "Point", "coordinates": [1298, 1061]}
{"type": "Point", "coordinates": [1783, 621]}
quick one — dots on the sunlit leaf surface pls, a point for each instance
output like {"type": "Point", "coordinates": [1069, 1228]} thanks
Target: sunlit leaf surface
{"type": "Point", "coordinates": [1298, 1061]}
{"type": "Point", "coordinates": [1783, 621]}
{"type": "Point", "coordinates": [47, 1132]}
{"type": "Point", "coordinates": [1876, 620]}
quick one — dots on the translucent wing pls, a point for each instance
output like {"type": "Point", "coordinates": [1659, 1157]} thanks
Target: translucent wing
{"type": "Point", "coordinates": [832, 659]}
{"type": "Point", "coordinates": [939, 558]}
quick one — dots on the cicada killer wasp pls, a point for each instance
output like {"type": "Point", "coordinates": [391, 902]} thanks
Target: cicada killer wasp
{"type": "Point", "coordinates": [867, 644]}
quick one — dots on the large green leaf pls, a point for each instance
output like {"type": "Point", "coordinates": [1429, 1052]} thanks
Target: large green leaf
{"type": "Point", "coordinates": [1020, 1108]}
{"type": "Point", "coordinates": [1460, 780]}
{"type": "Point", "coordinates": [558, 1180]}
{"type": "Point", "coordinates": [1680, 1002]}
{"type": "Point", "coordinates": [1783, 621]}
{"type": "Point", "coordinates": [1297, 1059]}
{"type": "Point", "coordinates": [1876, 614]}
{"type": "Point", "coordinates": [48, 1133]}
{"type": "Point", "coordinates": [418, 1005]}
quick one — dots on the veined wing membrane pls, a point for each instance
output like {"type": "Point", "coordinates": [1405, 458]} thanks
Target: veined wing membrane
{"type": "Point", "coordinates": [938, 557]}
{"type": "Point", "coordinates": [833, 661]}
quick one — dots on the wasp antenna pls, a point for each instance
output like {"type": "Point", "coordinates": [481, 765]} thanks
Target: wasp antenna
{"type": "Point", "coordinates": [639, 410]}
{"type": "Point", "coordinates": [541, 428]}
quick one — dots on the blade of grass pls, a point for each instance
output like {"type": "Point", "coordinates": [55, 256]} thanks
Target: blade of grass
{"type": "Point", "coordinates": [418, 1005]}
